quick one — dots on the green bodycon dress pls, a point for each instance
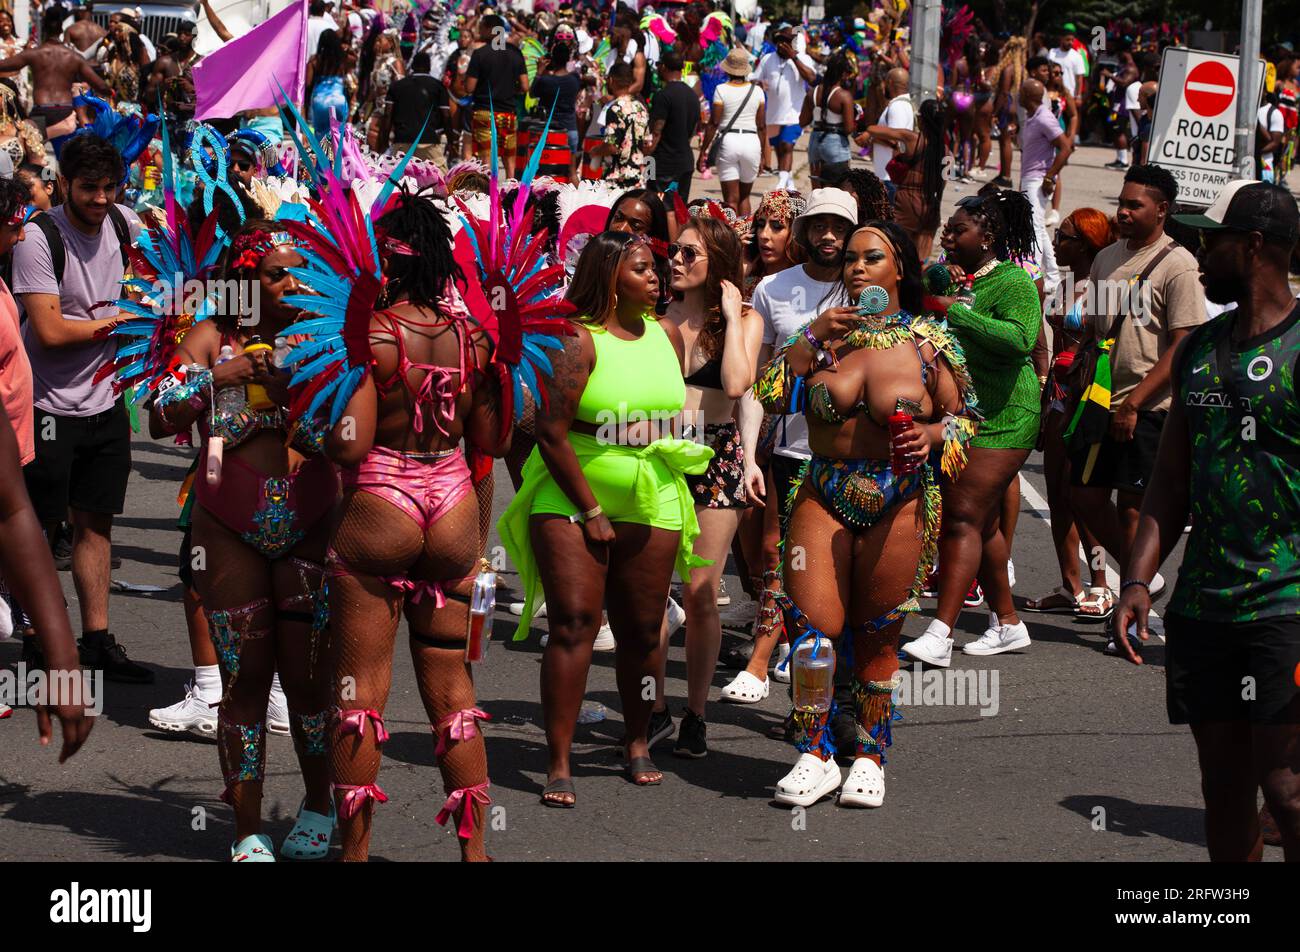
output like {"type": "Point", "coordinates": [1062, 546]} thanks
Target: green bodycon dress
{"type": "Point", "coordinates": [998, 332]}
{"type": "Point", "coordinates": [632, 380]}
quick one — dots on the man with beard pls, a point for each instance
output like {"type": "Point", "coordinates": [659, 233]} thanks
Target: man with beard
{"type": "Point", "coordinates": [1230, 457]}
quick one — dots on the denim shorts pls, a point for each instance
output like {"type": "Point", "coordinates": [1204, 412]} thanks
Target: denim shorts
{"type": "Point", "coordinates": [828, 148]}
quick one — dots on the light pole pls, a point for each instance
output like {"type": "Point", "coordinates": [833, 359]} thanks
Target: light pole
{"type": "Point", "coordinates": [1247, 83]}
{"type": "Point", "coordinates": [926, 27]}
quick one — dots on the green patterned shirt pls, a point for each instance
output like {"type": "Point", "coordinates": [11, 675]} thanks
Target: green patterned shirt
{"type": "Point", "coordinates": [1242, 561]}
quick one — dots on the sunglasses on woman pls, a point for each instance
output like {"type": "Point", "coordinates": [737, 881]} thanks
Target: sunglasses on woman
{"type": "Point", "coordinates": [689, 254]}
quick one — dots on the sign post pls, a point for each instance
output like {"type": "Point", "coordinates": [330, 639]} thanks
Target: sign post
{"type": "Point", "coordinates": [1193, 127]}
{"type": "Point", "coordinates": [1246, 111]}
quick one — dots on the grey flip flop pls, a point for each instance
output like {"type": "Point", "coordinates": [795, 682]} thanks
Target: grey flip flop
{"type": "Point", "coordinates": [643, 765]}
{"type": "Point", "coordinates": [560, 785]}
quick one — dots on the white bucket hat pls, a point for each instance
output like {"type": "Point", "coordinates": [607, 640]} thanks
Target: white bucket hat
{"type": "Point", "coordinates": [826, 201]}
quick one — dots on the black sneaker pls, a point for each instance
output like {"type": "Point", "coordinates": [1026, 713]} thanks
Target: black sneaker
{"type": "Point", "coordinates": [111, 657]}
{"type": "Point", "coordinates": [1117, 165]}
{"type": "Point", "coordinates": [661, 726]}
{"type": "Point", "coordinates": [62, 548]}
{"type": "Point", "coordinates": [1002, 182]}
{"type": "Point", "coordinates": [690, 742]}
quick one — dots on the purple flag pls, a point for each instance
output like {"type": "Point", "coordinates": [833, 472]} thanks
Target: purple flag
{"type": "Point", "coordinates": [249, 71]}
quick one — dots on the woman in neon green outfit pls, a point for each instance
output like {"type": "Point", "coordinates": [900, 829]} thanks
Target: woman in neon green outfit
{"type": "Point", "coordinates": [604, 504]}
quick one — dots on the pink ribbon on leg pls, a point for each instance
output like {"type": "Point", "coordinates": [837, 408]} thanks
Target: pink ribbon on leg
{"type": "Point", "coordinates": [418, 589]}
{"type": "Point", "coordinates": [461, 798]}
{"type": "Point", "coordinates": [355, 721]}
{"type": "Point", "coordinates": [459, 725]}
{"type": "Point", "coordinates": [356, 796]}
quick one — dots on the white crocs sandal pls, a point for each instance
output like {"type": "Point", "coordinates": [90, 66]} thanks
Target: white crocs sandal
{"type": "Point", "coordinates": [746, 689]}
{"type": "Point", "coordinates": [864, 786]}
{"type": "Point", "coordinates": [808, 781]}
{"type": "Point", "coordinates": [779, 673]}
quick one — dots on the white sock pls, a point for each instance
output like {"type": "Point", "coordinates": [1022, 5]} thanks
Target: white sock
{"type": "Point", "coordinates": [936, 627]}
{"type": "Point", "coordinates": [1121, 155]}
{"type": "Point", "coordinates": [994, 621]}
{"type": "Point", "coordinates": [275, 685]}
{"type": "Point", "coordinates": [783, 180]}
{"type": "Point", "coordinates": [207, 681]}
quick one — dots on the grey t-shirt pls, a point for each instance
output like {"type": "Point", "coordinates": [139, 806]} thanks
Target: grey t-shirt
{"type": "Point", "coordinates": [63, 377]}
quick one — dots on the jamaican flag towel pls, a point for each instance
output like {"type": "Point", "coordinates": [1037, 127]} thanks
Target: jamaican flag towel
{"type": "Point", "coordinates": [1091, 420]}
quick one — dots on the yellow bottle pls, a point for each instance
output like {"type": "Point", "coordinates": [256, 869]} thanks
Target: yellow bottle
{"type": "Point", "coordinates": [255, 392]}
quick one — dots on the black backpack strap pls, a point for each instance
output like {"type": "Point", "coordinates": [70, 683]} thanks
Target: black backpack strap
{"type": "Point", "coordinates": [58, 254]}
{"type": "Point", "coordinates": [123, 233]}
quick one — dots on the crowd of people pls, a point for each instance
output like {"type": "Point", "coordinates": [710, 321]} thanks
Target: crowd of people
{"type": "Point", "coordinates": [474, 239]}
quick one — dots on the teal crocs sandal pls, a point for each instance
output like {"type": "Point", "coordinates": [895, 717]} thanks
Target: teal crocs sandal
{"type": "Point", "coordinates": [253, 849]}
{"type": "Point", "coordinates": [310, 836]}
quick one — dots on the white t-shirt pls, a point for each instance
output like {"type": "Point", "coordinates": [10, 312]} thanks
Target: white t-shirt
{"type": "Point", "coordinates": [899, 114]}
{"type": "Point", "coordinates": [787, 301]}
{"type": "Point", "coordinates": [1133, 105]}
{"type": "Point", "coordinates": [785, 87]}
{"type": "Point", "coordinates": [755, 36]}
{"type": "Point", "coordinates": [731, 97]}
{"type": "Point", "coordinates": [1072, 66]}
{"type": "Point", "coordinates": [315, 27]}
{"type": "Point", "coordinates": [1276, 123]}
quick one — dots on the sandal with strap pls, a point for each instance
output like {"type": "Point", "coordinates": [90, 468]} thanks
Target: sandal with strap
{"type": "Point", "coordinates": [310, 837]}
{"type": "Point", "coordinates": [864, 786]}
{"type": "Point", "coordinates": [640, 767]}
{"type": "Point", "coordinates": [746, 689]}
{"type": "Point", "coordinates": [1097, 605]}
{"type": "Point", "coordinates": [554, 792]}
{"type": "Point", "coordinates": [1059, 600]}
{"type": "Point", "coordinates": [253, 849]}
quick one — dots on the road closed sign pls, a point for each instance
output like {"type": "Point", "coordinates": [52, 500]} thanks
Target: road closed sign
{"type": "Point", "coordinates": [1192, 129]}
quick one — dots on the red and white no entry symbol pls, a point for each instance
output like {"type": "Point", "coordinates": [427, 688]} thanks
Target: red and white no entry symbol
{"type": "Point", "coordinates": [1209, 88]}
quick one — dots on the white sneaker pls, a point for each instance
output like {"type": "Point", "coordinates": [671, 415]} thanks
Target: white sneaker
{"type": "Point", "coordinates": [517, 609]}
{"type": "Point", "coordinates": [1053, 217]}
{"type": "Point", "coordinates": [605, 638]}
{"type": "Point", "coordinates": [1011, 574]}
{"type": "Point", "coordinates": [1000, 639]}
{"type": "Point", "coordinates": [6, 620]}
{"type": "Point", "coordinates": [723, 598]}
{"type": "Point", "coordinates": [864, 786]}
{"type": "Point", "coordinates": [932, 648]}
{"type": "Point", "coordinates": [192, 714]}
{"type": "Point", "coordinates": [779, 673]}
{"type": "Point", "coordinates": [277, 713]}
{"type": "Point", "coordinates": [676, 617]}
{"type": "Point", "coordinates": [808, 781]}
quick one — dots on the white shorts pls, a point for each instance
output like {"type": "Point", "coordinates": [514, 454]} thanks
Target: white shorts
{"type": "Point", "coordinates": [738, 157]}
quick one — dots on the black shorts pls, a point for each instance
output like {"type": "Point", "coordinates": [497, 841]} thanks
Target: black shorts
{"type": "Point", "coordinates": [84, 464]}
{"type": "Point", "coordinates": [1238, 671]}
{"type": "Point", "coordinates": [683, 184]}
{"type": "Point", "coordinates": [1124, 466]}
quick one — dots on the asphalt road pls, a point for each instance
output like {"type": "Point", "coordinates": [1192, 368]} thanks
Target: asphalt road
{"type": "Point", "coordinates": [1078, 762]}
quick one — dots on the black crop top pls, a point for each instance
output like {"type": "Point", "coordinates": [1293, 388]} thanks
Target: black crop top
{"type": "Point", "coordinates": [709, 375]}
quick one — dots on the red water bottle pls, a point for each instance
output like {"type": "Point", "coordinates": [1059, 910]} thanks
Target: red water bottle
{"type": "Point", "coordinates": [900, 421]}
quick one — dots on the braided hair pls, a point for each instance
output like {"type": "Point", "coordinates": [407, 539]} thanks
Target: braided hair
{"type": "Point", "coordinates": [421, 278]}
{"type": "Point", "coordinates": [1007, 217]}
{"type": "Point", "coordinates": [910, 287]}
{"type": "Point", "coordinates": [873, 200]}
